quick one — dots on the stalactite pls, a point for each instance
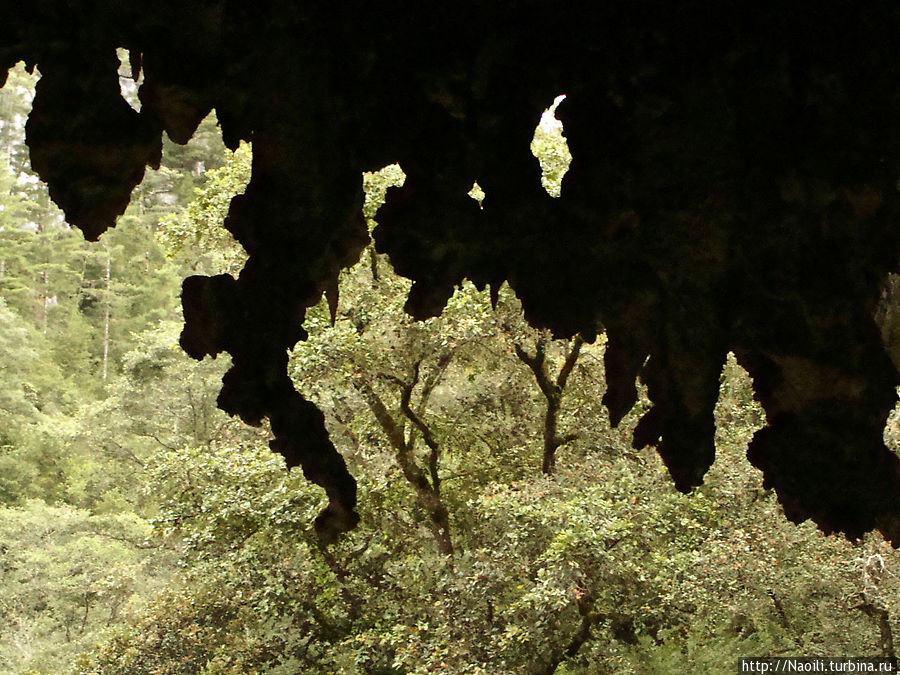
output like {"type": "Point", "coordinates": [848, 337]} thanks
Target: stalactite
{"type": "Point", "coordinates": [732, 188]}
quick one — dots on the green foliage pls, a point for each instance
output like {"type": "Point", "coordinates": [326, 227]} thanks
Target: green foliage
{"type": "Point", "coordinates": [66, 574]}
{"type": "Point", "coordinates": [79, 324]}
{"type": "Point", "coordinates": [194, 236]}
{"type": "Point", "coordinates": [550, 147]}
{"type": "Point", "coordinates": [161, 401]}
{"type": "Point", "coordinates": [376, 184]}
{"type": "Point", "coordinates": [259, 589]}
{"type": "Point", "coordinates": [602, 567]}
{"type": "Point", "coordinates": [15, 104]}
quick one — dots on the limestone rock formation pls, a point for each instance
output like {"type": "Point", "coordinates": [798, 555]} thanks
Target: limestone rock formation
{"type": "Point", "coordinates": [733, 188]}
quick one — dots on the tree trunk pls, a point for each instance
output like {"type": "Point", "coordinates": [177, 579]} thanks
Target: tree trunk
{"type": "Point", "coordinates": [552, 391]}
{"type": "Point", "coordinates": [552, 441]}
{"type": "Point", "coordinates": [582, 635]}
{"type": "Point", "coordinates": [427, 491]}
{"type": "Point", "coordinates": [106, 313]}
{"type": "Point", "coordinates": [373, 263]}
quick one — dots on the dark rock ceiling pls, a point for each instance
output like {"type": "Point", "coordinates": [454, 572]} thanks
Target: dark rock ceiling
{"type": "Point", "coordinates": [734, 188]}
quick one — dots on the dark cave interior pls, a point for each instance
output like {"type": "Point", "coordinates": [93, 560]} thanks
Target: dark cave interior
{"type": "Point", "coordinates": [733, 188]}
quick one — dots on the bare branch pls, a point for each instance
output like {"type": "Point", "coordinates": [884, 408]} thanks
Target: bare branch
{"type": "Point", "coordinates": [156, 438]}
{"type": "Point", "coordinates": [569, 363]}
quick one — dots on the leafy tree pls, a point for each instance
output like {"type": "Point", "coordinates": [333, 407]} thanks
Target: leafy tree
{"type": "Point", "coordinates": [260, 590]}
{"type": "Point", "coordinates": [194, 236]}
{"type": "Point", "coordinates": [162, 401]}
{"type": "Point", "coordinates": [66, 575]}
{"type": "Point", "coordinates": [75, 308]}
{"type": "Point", "coordinates": [600, 567]}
